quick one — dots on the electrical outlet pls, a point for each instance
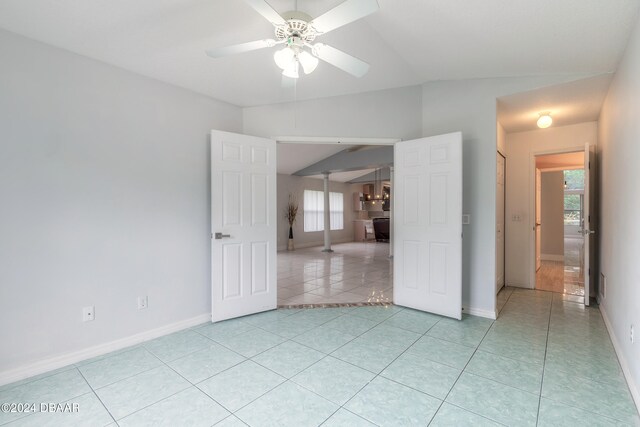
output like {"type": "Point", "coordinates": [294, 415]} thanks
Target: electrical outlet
{"type": "Point", "coordinates": [516, 217]}
{"type": "Point", "coordinates": [88, 313]}
{"type": "Point", "coordinates": [466, 219]}
{"type": "Point", "coordinates": [631, 338]}
{"type": "Point", "coordinates": [143, 302]}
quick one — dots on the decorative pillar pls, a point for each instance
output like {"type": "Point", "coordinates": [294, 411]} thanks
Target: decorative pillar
{"type": "Point", "coordinates": [391, 208]}
{"type": "Point", "coordinates": [327, 215]}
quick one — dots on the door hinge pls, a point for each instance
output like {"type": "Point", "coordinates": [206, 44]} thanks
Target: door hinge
{"type": "Point", "coordinates": [212, 235]}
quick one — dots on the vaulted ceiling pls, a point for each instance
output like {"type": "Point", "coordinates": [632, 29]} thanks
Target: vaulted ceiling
{"type": "Point", "coordinates": [406, 42]}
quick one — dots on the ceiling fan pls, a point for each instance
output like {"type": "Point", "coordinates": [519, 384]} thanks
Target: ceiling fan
{"type": "Point", "coordinates": [296, 31]}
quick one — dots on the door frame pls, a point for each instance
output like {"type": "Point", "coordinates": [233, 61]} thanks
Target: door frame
{"type": "Point", "coordinates": [532, 203]}
{"type": "Point", "coordinates": [504, 224]}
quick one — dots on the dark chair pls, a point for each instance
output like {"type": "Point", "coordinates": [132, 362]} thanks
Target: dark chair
{"type": "Point", "coordinates": [381, 229]}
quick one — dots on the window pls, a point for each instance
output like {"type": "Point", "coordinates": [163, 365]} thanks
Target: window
{"type": "Point", "coordinates": [573, 204]}
{"type": "Point", "coordinates": [573, 196]}
{"type": "Point", "coordinates": [314, 210]}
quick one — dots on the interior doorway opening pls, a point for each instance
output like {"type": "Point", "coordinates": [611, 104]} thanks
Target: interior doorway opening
{"type": "Point", "coordinates": [560, 224]}
{"type": "Point", "coordinates": [359, 267]}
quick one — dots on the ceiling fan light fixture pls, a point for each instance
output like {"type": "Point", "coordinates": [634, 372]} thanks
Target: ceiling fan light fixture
{"type": "Point", "coordinates": [292, 70]}
{"type": "Point", "coordinates": [545, 120]}
{"type": "Point", "coordinates": [284, 58]}
{"type": "Point", "coordinates": [308, 62]}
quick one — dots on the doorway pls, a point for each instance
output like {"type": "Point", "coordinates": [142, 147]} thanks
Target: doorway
{"type": "Point", "coordinates": [426, 238]}
{"type": "Point", "coordinates": [358, 268]}
{"type": "Point", "coordinates": [560, 224]}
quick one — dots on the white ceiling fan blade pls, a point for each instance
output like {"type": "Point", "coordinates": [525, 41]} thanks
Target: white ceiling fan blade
{"type": "Point", "coordinates": [339, 59]}
{"type": "Point", "coordinates": [343, 14]}
{"type": "Point", "coordinates": [219, 52]}
{"type": "Point", "coordinates": [264, 9]}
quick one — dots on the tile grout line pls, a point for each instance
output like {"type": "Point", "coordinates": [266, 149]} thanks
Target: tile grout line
{"type": "Point", "coordinates": [544, 361]}
{"type": "Point", "coordinates": [324, 357]}
{"type": "Point", "coordinates": [265, 367]}
{"type": "Point", "coordinates": [460, 375]}
{"type": "Point", "coordinates": [98, 397]}
{"type": "Point", "coordinates": [382, 370]}
{"type": "Point", "coordinates": [173, 394]}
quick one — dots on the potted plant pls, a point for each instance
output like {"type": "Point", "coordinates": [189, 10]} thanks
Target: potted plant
{"type": "Point", "coordinates": [290, 213]}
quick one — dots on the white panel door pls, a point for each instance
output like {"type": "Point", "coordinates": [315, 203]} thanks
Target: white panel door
{"type": "Point", "coordinates": [427, 240]}
{"type": "Point", "coordinates": [589, 219]}
{"type": "Point", "coordinates": [243, 225]}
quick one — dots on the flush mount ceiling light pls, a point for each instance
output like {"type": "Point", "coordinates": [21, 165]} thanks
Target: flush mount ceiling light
{"type": "Point", "coordinates": [545, 120]}
{"type": "Point", "coordinates": [296, 30]}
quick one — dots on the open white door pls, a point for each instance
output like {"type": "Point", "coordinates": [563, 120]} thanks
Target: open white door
{"type": "Point", "coordinates": [588, 213]}
{"type": "Point", "coordinates": [243, 225]}
{"type": "Point", "coordinates": [427, 240]}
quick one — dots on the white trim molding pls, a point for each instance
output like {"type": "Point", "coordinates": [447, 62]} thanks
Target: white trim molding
{"type": "Point", "coordinates": [633, 387]}
{"type": "Point", "coordinates": [60, 361]}
{"type": "Point", "coordinates": [334, 140]}
{"type": "Point", "coordinates": [479, 312]}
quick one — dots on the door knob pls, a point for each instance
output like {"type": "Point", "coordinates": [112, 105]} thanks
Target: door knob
{"type": "Point", "coordinates": [589, 232]}
{"type": "Point", "coordinates": [222, 236]}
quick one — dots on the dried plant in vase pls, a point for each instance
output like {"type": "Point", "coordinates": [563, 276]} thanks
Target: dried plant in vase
{"type": "Point", "coordinates": [290, 213]}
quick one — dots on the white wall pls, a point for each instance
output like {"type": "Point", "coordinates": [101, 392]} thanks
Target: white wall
{"type": "Point", "coordinates": [431, 109]}
{"type": "Point", "coordinates": [104, 186]}
{"type": "Point", "coordinates": [501, 139]}
{"type": "Point", "coordinates": [552, 215]}
{"type": "Point", "coordinates": [470, 106]}
{"type": "Point", "coordinates": [295, 185]}
{"type": "Point", "coordinates": [619, 154]}
{"type": "Point", "coordinates": [393, 113]}
{"type": "Point", "coordinates": [521, 148]}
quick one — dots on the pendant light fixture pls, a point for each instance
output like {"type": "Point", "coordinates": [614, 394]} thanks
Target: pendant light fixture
{"type": "Point", "coordinates": [377, 185]}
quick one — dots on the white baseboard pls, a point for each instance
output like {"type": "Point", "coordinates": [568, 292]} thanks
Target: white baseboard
{"type": "Point", "coordinates": [633, 387]}
{"type": "Point", "coordinates": [519, 285]}
{"type": "Point", "coordinates": [60, 361]}
{"type": "Point", "coordinates": [550, 257]}
{"type": "Point", "coordinates": [479, 312]}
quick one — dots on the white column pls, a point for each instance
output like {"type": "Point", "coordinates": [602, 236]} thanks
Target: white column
{"type": "Point", "coordinates": [327, 215]}
{"type": "Point", "coordinates": [391, 207]}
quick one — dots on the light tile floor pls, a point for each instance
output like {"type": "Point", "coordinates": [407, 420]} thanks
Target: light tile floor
{"type": "Point", "coordinates": [565, 276]}
{"type": "Point", "coordinates": [546, 361]}
{"type": "Point", "coordinates": [354, 272]}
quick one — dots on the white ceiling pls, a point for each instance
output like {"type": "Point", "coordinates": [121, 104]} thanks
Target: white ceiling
{"type": "Point", "coordinates": [569, 103]}
{"type": "Point", "coordinates": [293, 157]}
{"type": "Point", "coordinates": [345, 176]}
{"type": "Point", "coordinates": [406, 42]}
